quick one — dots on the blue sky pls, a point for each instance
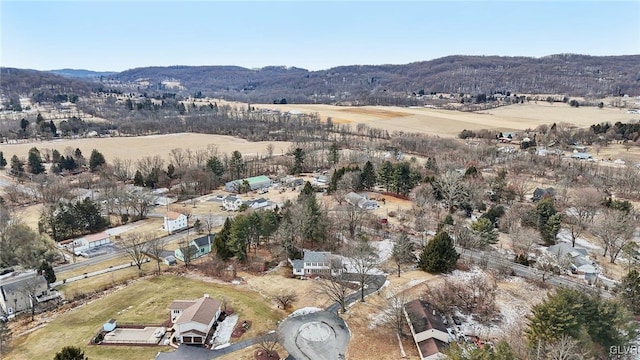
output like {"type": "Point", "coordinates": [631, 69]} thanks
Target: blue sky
{"type": "Point", "coordinates": [119, 35]}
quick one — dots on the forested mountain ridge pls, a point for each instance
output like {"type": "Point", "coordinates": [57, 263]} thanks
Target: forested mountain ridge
{"type": "Point", "coordinates": [567, 74]}
{"type": "Point", "coordinates": [575, 75]}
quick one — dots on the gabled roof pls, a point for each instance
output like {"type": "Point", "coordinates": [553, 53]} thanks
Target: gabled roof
{"type": "Point", "coordinates": [432, 346]}
{"type": "Point", "coordinates": [172, 215]}
{"type": "Point", "coordinates": [13, 285]}
{"type": "Point", "coordinates": [181, 304]}
{"type": "Point", "coordinates": [230, 198]}
{"type": "Point", "coordinates": [298, 264]}
{"type": "Point", "coordinates": [317, 256]}
{"type": "Point", "coordinates": [202, 311]}
{"type": "Point", "coordinates": [204, 240]}
{"type": "Point", "coordinates": [422, 317]}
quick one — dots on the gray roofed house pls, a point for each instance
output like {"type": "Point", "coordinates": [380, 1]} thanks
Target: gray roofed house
{"type": "Point", "coordinates": [316, 263]}
{"type": "Point", "coordinates": [15, 292]}
{"type": "Point", "coordinates": [580, 262]}
{"type": "Point", "coordinates": [361, 201]}
{"type": "Point", "coordinates": [428, 330]}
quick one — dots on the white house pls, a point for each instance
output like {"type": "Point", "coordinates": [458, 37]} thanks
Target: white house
{"type": "Point", "coordinates": [429, 333]}
{"type": "Point", "coordinates": [88, 242]}
{"type": "Point", "coordinates": [193, 319]}
{"type": "Point", "coordinates": [316, 263]}
{"type": "Point", "coordinates": [174, 221]}
{"type": "Point", "coordinates": [231, 203]}
{"type": "Point", "coordinates": [18, 292]}
{"type": "Point", "coordinates": [361, 201]}
{"type": "Point", "coordinates": [257, 203]}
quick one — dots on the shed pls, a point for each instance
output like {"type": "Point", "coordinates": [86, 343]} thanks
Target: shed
{"type": "Point", "coordinates": [170, 260]}
{"type": "Point", "coordinates": [109, 325]}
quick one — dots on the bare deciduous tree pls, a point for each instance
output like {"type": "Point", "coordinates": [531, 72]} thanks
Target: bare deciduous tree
{"type": "Point", "coordinates": [284, 299]}
{"type": "Point", "coordinates": [122, 169]}
{"type": "Point", "coordinates": [393, 312]}
{"type": "Point", "coordinates": [565, 348]}
{"type": "Point", "coordinates": [335, 287]}
{"type": "Point", "coordinates": [155, 247]}
{"type": "Point", "coordinates": [268, 343]}
{"type": "Point", "coordinates": [614, 228]}
{"type": "Point", "coordinates": [364, 258]}
{"type": "Point", "coordinates": [135, 245]}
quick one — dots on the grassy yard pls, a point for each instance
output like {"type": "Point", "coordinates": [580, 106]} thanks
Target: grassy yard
{"type": "Point", "coordinates": [143, 301]}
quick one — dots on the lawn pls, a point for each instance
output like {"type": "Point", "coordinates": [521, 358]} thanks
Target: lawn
{"type": "Point", "coordinates": [143, 301]}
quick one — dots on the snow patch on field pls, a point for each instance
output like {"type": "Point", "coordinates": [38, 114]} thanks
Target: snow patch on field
{"type": "Point", "coordinates": [376, 319]}
{"type": "Point", "coordinates": [565, 235]}
{"type": "Point", "coordinates": [305, 311]}
{"type": "Point", "coordinates": [222, 335]}
{"type": "Point", "coordinates": [385, 248]}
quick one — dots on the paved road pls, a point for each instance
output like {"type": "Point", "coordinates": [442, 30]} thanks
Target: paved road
{"type": "Point", "coordinates": [116, 253]}
{"type": "Point", "coordinates": [495, 260]}
{"type": "Point", "coordinates": [375, 283]}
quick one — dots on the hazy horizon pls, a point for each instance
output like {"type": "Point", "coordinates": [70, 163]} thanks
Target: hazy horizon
{"type": "Point", "coordinates": [119, 35]}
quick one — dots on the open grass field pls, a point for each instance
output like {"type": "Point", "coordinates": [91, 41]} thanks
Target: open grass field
{"type": "Point", "coordinates": [143, 301]}
{"type": "Point", "coordinates": [448, 123]}
{"type": "Point", "coordinates": [136, 147]}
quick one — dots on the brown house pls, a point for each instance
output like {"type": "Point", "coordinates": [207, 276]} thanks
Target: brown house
{"type": "Point", "coordinates": [429, 333]}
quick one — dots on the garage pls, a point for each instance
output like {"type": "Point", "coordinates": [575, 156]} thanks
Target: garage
{"type": "Point", "coordinates": [186, 339]}
{"type": "Point", "coordinates": [197, 340]}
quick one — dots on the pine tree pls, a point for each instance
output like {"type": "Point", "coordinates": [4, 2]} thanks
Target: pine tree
{"type": "Point", "coordinates": [70, 353]}
{"type": "Point", "coordinates": [138, 180]}
{"type": "Point", "coordinates": [484, 229]}
{"type": "Point", "coordinates": [368, 176]}
{"type": "Point", "coordinates": [402, 252]}
{"type": "Point", "coordinates": [3, 161]}
{"type": "Point", "coordinates": [629, 290]}
{"type": "Point", "coordinates": [385, 174]}
{"type": "Point", "coordinates": [334, 154]}
{"type": "Point", "coordinates": [48, 272]}
{"type": "Point", "coordinates": [221, 241]}
{"type": "Point", "coordinates": [439, 256]}
{"type": "Point", "coordinates": [35, 161]}
{"type": "Point", "coordinates": [298, 161]}
{"type": "Point", "coordinates": [17, 166]}
{"type": "Point", "coordinates": [96, 160]}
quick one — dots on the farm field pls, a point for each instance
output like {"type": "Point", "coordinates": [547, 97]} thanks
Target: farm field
{"type": "Point", "coordinates": [143, 301]}
{"type": "Point", "coordinates": [136, 147]}
{"type": "Point", "coordinates": [449, 123]}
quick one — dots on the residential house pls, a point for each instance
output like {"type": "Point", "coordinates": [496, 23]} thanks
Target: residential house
{"type": "Point", "coordinates": [174, 221]}
{"type": "Point", "coordinates": [193, 320]}
{"type": "Point", "coordinates": [87, 242]}
{"type": "Point", "coordinates": [292, 181]}
{"type": "Point", "coordinates": [316, 263]}
{"type": "Point", "coordinates": [320, 180]}
{"type": "Point", "coordinates": [196, 248]}
{"type": "Point", "coordinates": [16, 291]}
{"type": "Point", "coordinates": [255, 183]}
{"type": "Point", "coordinates": [428, 330]}
{"type": "Point", "coordinates": [231, 203]}
{"type": "Point", "coordinates": [578, 259]}
{"type": "Point", "coordinates": [257, 203]}
{"type": "Point", "coordinates": [361, 201]}
{"type": "Point", "coordinates": [539, 194]}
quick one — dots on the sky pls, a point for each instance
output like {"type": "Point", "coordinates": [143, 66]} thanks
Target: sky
{"type": "Point", "coordinates": [119, 35]}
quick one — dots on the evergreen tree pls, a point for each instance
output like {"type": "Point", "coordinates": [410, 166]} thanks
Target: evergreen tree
{"type": "Point", "coordinates": [96, 160]}
{"type": "Point", "coordinates": [368, 176]}
{"type": "Point", "coordinates": [334, 154]}
{"type": "Point", "coordinates": [629, 290]}
{"type": "Point", "coordinates": [221, 241]}
{"type": "Point", "coordinates": [402, 252]}
{"type": "Point", "coordinates": [545, 211]}
{"type": "Point", "coordinates": [439, 256]}
{"type": "Point", "coordinates": [35, 161]}
{"type": "Point", "coordinates": [386, 174]}
{"type": "Point", "coordinates": [138, 180]}
{"type": "Point", "coordinates": [484, 229]}
{"type": "Point", "coordinates": [17, 166]}
{"type": "Point", "coordinates": [55, 156]}
{"type": "Point", "coordinates": [3, 161]}
{"type": "Point", "coordinates": [48, 272]}
{"type": "Point", "coordinates": [70, 353]}
{"type": "Point", "coordinates": [236, 165]}
{"type": "Point", "coordinates": [215, 166]}
{"type": "Point", "coordinates": [298, 161]}
{"type": "Point", "coordinates": [239, 238]}
{"type": "Point", "coordinates": [52, 127]}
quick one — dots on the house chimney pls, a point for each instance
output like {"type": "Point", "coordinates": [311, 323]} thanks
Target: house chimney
{"type": "Point", "coordinates": [206, 295]}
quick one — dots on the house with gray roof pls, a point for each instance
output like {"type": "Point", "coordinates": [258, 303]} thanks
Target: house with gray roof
{"type": "Point", "coordinates": [579, 261]}
{"type": "Point", "coordinates": [316, 263]}
{"type": "Point", "coordinates": [361, 201]}
{"type": "Point", "coordinates": [18, 292]}
{"type": "Point", "coordinates": [428, 330]}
